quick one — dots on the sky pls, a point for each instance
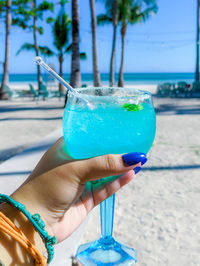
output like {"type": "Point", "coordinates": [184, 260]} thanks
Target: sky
{"type": "Point", "coordinates": [164, 43]}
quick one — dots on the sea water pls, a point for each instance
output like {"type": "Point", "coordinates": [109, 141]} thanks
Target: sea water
{"type": "Point", "coordinates": [129, 78]}
{"type": "Point", "coordinates": [108, 129]}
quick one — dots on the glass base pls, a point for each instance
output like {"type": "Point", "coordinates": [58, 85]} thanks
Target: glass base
{"type": "Point", "coordinates": [106, 251]}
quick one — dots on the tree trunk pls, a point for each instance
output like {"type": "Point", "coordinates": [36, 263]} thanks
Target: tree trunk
{"type": "Point", "coordinates": [197, 45]}
{"type": "Point", "coordinates": [96, 75]}
{"type": "Point", "coordinates": [61, 87]}
{"type": "Point", "coordinates": [121, 79]}
{"type": "Point", "coordinates": [112, 73]}
{"type": "Point", "coordinates": [39, 77]}
{"type": "Point", "coordinates": [75, 80]}
{"type": "Point", "coordinates": [5, 79]}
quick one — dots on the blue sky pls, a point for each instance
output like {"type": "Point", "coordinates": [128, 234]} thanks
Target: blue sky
{"type": "Point", "coordinates": [164, 43]}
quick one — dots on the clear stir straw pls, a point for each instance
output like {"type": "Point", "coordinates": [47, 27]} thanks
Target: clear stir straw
{"type": "Point", "coordinates": [38, 60]}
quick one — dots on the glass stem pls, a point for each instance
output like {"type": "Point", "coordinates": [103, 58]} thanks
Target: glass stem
{"type": "Point", "coordinates": [107, 216]}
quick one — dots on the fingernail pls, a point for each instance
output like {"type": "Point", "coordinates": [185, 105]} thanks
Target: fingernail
{"type": "Point", "coordinates": [144, 161]}
{"type": "Point", "coordinates": [134, 158]}
{"type": "Point", "coordinates": [137, 169]}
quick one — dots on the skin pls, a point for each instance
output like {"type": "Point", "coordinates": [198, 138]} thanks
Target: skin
{"type": "Point", "coordinates": [56, 190]}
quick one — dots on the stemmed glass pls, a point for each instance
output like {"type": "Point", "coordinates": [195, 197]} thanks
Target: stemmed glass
{"type": "Point", "coordinates": [120, 121]}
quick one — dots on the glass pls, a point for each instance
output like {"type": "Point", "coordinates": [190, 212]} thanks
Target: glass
{"type": "Point", "coordinates": [120, 121]}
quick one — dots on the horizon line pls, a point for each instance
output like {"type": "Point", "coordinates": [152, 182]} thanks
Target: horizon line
{"type": "Point", "coordinates": [108, 73]}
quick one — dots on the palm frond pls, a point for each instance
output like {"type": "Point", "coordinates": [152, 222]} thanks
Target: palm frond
{"type": "Point", "coordinates": [150, 2]}
{"type": "Point", "coordinates": [61, 29]}
{"type": "Point", "coordinates": [68, 49]}
{"type": "Point", "coordinates": [45, 5]}
{"type": "Point", "coordinates": [2, 6]}
{"type": "Point", "coordinates": [40, 30]}
{"type": "Point", "coordinates": [103, 19]}
{"type": "Point", "coordinates": [141, 16]}
{"type": "Point", "coordinates": [3, 3]}
{"type": "Point", "coordinates": [44, 50]}
{"type": "Point", "coordinates": [19, 22]}
{"type": "Point", "coordinates": [108, 16]}
{"type": "Point", "coordinates": [49, 20]}
{"type": "Point", "coordinates": [26, 47]}
{"type": "Point", "coordinates": [149, 12]}
{"type": "Point", "coordinates": [83, 56]}
{"type": "Point", "coordinates": [63, 2]}
{"type": "Point", "coordinates": [124, 10]}
{"type": "Point", "coordinates": [135, 11]}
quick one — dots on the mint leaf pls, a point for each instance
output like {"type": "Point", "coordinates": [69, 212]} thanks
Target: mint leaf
{"type": "Point", "coordinates": [132, 107]}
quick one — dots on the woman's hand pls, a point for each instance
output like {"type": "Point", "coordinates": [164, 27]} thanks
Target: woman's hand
{"type": "Point", "coordinates": [56, 189]}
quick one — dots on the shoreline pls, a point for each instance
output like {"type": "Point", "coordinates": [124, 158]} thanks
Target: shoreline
{"type": "Point", "coordinates": [54, 86]}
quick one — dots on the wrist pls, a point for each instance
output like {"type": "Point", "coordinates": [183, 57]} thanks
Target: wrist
{"type": "Point", "coordinates": [19, 202]}
{"type": "Point", "coordinates": [28, 196]}
{"type": "Point", "coordinates": [8, 245]}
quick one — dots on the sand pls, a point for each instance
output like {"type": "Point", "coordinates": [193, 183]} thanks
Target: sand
{"type": "Point", "coordinates": [158, 213]}
{"type": "Point", "coordinates": [24, 122]}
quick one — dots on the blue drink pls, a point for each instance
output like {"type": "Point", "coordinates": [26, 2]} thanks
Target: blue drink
{"type": "Point", "coordinates": [112, 129]}
{"type": "Point", "coordinates": [121, 121]}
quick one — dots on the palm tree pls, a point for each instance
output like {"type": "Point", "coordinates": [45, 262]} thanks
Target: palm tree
{"type": "Point", "coordinates": [36, 45]}
{"type": "Point", "coordinates": [5, 80]}
{"type": "Point", "coordinates": [96, 75]}
{"type": "Point", "coordinates": [75, 79]}
{"type": "Point", "coordinates": [61, 29]}
{"type": "Point", "coordinates": [197, 44]}
{"type": "Point", "coordinates": [131, 12]}
{"type": "Point", "coordinates": [114, 21]}
{"type": "Point", "coordinates": [27, 15]}
{"type": "Point", "coordinates": [110, 17]}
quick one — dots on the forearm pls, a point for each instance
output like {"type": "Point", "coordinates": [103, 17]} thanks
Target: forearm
{"type": "Point", "coordinates": [10, 250]}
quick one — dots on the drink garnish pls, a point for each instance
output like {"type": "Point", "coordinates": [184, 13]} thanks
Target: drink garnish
{"type": "Point", "coordinates": [132, 107]}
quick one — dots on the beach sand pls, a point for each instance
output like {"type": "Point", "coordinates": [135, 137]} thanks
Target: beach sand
{"type": "Point", "coordinates": [158, 212]}
{"type": "Point", "coordinates": [24, 122]}
{"type": "Point", "coordinates": [53, 86]}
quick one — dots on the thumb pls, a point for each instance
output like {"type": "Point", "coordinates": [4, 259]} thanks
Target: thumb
{"type": "Point", "coordinates": [106, 165]}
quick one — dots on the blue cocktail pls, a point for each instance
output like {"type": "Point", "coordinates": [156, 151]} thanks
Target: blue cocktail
{"type": "Point", "coordinates": [120, 121]}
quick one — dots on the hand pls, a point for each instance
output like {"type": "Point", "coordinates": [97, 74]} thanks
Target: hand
{"type": "Point", "coordinates": [56, 189]}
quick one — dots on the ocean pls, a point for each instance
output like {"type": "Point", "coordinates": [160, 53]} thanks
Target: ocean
{"type": "Point", "coordinates": [129, 78]}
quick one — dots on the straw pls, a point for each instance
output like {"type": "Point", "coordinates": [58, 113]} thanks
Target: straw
{"type": "Point", "coordinates": [38, 60]}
